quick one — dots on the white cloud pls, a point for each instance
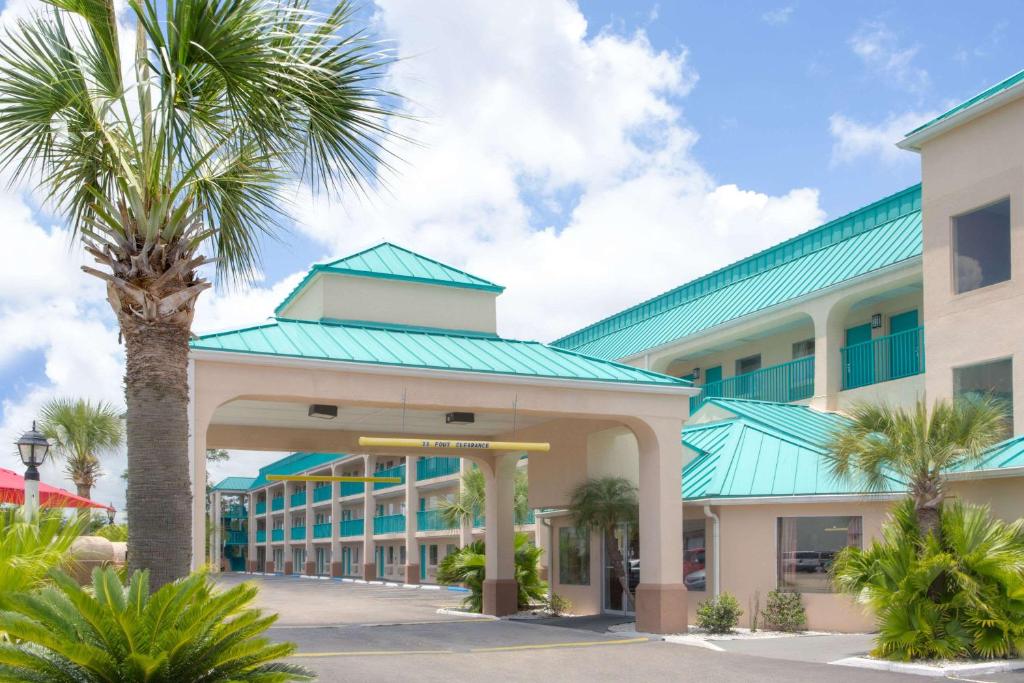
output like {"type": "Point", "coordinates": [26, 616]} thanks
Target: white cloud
{"type": "Point", "coordinates": [778, 16]}
{"type": "Point", "coordinates": [853, 140]}
{"type": "Point", "coordinates": [880, 49]}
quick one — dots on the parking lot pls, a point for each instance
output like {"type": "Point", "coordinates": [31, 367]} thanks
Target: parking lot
{"type": "Point", "coordinates": [348, 631]}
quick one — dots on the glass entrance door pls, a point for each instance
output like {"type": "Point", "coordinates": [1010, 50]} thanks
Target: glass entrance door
{"type": "Point", "coordinates": [621, 569]}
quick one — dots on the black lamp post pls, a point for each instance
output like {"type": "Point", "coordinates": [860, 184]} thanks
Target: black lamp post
{"type": "Point", "coordinates": [111, 512]}
{"type": "Point", "coordinates": [32, 447]}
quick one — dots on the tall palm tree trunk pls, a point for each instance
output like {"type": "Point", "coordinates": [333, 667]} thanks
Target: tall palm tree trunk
{"type": "Point", "coordinates": [159, 498]}
{"type": "Point", "coordinates": [83, 490]}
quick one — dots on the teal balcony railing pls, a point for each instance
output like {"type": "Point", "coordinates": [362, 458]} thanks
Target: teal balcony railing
{"type": "Point", "coordinates": [235, 512]}
{"type": "Point", "coordinates": [389, 524]}
{"type": "Point", "coordinates": [478, 520]}
{"type": "Point", "coordinates": [237, 538]}
{"type": "Point", "coordinates": [298, 498]}
{"type": "Point", "coordinates": [351, 488]}
{"type": "Point", "coordinates": [397, 471]}
{"type": "Point", "coordinates": [261, 507]}
{"type": "Point", "coordinates": [321, 494]}
{"type": "Point", "coordinates": [261, 536]}
{"type": "Point", "coordinates": [298, 533]}
{"type": "Point", "coordinates": [792, 381]}
{"type": "Point", "coordinates": [431, 468]}
{"type": "Point", "coordinates": [883, 359]}
{"type": "Point", "coordinates": [277, 503]}
{"type": "Point", "coordinates": [350, 527]}
{"type": "Point", "coordinates": [530, 518]}
{"type": "Point", "coordinates": [322, 530]}
{"type": "Point", "coordinates": [431, 520]}
{"type": "Point", "coordinates": [277, 535]}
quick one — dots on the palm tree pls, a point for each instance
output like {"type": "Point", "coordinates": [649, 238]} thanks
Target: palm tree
{"type": "Point", "coordinates": [177, 157]}
{"type": "Point", "coordinates": [471, 501]}
{"type": "Point", "coordinates": [602, 505]}
{"type": "Point", "coordinates": [81, 431]}
{"type": "Point", "coordinates": [916, 446]}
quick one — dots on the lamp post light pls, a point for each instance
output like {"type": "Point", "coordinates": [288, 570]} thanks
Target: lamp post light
{"type": "Point", "coordinates": [111, 512]}
{"type": "Point", "coordinates": [33, 447]}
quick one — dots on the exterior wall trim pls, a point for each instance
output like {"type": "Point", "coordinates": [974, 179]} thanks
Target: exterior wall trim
{"type": "Point", "coordinates": [786, 500]}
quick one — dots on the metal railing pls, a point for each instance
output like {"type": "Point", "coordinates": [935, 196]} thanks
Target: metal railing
{"type": "Point", "coordinates": [261, 507]}
{"type": "Point", "coordinates": [298, 498]}
{"type": "Point", "coordinates": [432, 520]}
{"type": "Point", "coordinates": [389, 524]}
{"type": "Point", "coordinates": [298, 533]}
{"type": "Point", "coordinates": [792, 381]}
{"type": "Point", "coordinates": [886, 358]}
{"type": "Point", "coordinates": [351, 488]}
{"type": "Point", "coordinates": [321, 493]}
{"type": "Point", "coordinates": [237, 538]}
{"type": "Point", "coordinates": [277, 534]}
{"type": "Point", "coordinates": [350, 527]}
{"type": "Point", "coordinates": [396, 471]}
{"type": "Point", "coordinates": [261, 536]}
{"type": "Point", "coordinates": [322, 530]}
{"type": "Point", "coordinates": [431, 468]}
{"type": "Point", "coordinates": [277, 503]}
{"type": "Point", "coordinates": [235, 512]}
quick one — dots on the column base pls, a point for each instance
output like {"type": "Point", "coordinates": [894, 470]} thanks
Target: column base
{"type": "Point", "coordinates": [412, 573]}
{"type": "Point", "coordinates": [542, 572]}
{"type": "Point", "coordinates": [254, 566]}
{"type": "Point", "coordinates": [661, 608]}
{"type": "Point", "coordinates": [336, 570]}
{"type": "Point", "coordinates": [289, 568]}
{"type": "Point", "coordinates": [370, 571]}
{"type": "Point", "coordinates": [269, 569]}
{"type": "Point", "coordinates": [501, 597]}
{"type": "Point", "coordinates": [310, 568]}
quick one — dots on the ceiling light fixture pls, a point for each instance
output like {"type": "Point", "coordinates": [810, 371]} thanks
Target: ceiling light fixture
{"type": "Point", "coordinates": [323, 411]}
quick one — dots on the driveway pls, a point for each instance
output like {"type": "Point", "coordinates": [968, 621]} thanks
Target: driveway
{"type": "Point", "coordinates": [347, 631]}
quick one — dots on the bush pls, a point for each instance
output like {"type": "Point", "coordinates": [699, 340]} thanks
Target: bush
{"type": "Point", "coordinates": [719, 614]}
{"type": "Point", "coordinates": [558, 605]}
{"type": "Point", "coordinates": [955, 596]}
{"type": "Point", "coordinates": [185, 631]}
{"type": "Point", "coordinates": [784, 611]}
{"type": "Point", "coordinates": [466, 566]}
{"type": "Point", "coordinates": [29, 550]}
{"type": "Point", "coordinates": [116, 533]}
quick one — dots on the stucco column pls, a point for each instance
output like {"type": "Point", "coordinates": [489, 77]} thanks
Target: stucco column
{"type": "Point", "coordinates": [369, 554]}
{"type": "Point", "coordinates": [250, 553]}
{"type": "Point", "coordinates": [335, 525]}
{"type": "Point", "coordinates": [289, 566]}
{"type": "Point", "coordinates": [829, 333]}
{"type": "Point", "coordinates": [412, 558]}
{"type": "Point", "coordinates": [661, 595]}
{"type": "Point", "coordinates": [500, 590]}
{"type": "Point", "coordinates": [310, 568]}
{"type": "Point", "coordinates": [466, 525]}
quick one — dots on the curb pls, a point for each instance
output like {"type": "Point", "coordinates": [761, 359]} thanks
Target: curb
{"type": "Point", "coordinates": [933, 670]}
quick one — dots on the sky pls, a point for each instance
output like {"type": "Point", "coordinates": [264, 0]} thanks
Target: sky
{"type": "Point", "coordinates": [586, 156]}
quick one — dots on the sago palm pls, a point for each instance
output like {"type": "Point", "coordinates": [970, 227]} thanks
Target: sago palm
{"type": "Point", "coordinates": [918, 446]}
{"type": "Point", "coordinates": [185, 631]}
{"type": "Point", "coordinates": [81, 431]}
{"type": "Point", "coordinates": [602, 505]}
{"type": "Point", "coordinates": [30, 549]}
{"type": "Point", "coordinates": [171, 150]}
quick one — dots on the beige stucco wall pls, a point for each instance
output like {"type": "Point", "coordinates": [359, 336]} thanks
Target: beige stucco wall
{"type": "Point", "coordinates": [965, 168]}
{"type": "Point", "coordinates": [584, 599]}
{"type": "Point", "coordinates": [774, 350]}
{"type": "Point", "coordinates": [348, 297]}
{"type": "Point", "coordinates": [903, 392]}
{"type": "Point", "coordinates": [613, 453]}
{"type": "Point", "coordinates": [1004, 495]}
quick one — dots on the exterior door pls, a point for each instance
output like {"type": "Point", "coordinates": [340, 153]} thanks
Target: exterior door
{"type": "Point", "coordinates": [904, 347]}
{"type": "Point", "coordinates": [712, 379]}
{"type": "Point", "coordinates": [859, 366]}
{"type": "Point", "coordinates": [621, 549]}
{"type": "Point", "coordinates": [423, 561]}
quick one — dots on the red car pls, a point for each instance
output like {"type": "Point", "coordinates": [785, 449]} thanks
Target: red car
{"type": "Point", "coordinates": [693, 560]}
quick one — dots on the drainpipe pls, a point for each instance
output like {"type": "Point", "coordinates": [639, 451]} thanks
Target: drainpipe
{"type": "Point", "coordinates": [715, 548]}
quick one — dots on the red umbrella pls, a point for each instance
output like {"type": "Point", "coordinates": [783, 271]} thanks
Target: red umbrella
{"type": "Point", "coordinates": [12, 490]}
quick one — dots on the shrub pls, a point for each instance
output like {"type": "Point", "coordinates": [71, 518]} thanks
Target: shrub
{"type": "Point", "coordinates": [719, 614]}
{"type": "Point", "coordinates": [116, 533]}
{"type": "Point", "coordinates": [29, 550]}
{"type": "Point", "coordinates": [784, 611]}
{"type": "Point", "coordinates": [185, 631]}
{"type": "Point", "coordinates": [466, 566]}
{"type": "Point", "coordinates": [958, 594]}
{"type": "Point", "coordinates": [558, 605]}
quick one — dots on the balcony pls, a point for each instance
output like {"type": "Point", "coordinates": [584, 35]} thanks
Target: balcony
{"type": "Point", "coordinates": [235, 512]}
{"type": "Point", "coordinates": [883, 359]}
{"type": "Point", "coordinates": [352, 488]}
{"type": "Point", "coordinates": [792, 381]}
{"type": "Point", "coordinates": [397, 471]}
{"type": "Point", "coordinates": [298, 533]}
{"type": "Point", "coordinates": [322, 530]}
{"type": "Point", "coordinates": [277, 535]}
{"type": "Point", "coordinates": [237, 538]}
{"type": "Point", "coordinates": [389, 524]}
{"type": "Point", "coordinates": [431, 520]}
{"type": "Point", "coordinates": [277, 503]}
{"type": "Point", "coordinates": [298, 499]}
{"type": "Point", "coordinates": [321, 493]}
{"type": "Point", "coordinates": [478, 520]}
{"type": "Point", "coordinates": [432, 468]}
{"type": "Point", "coordinates": [261, 536]}
{"type": "Point", "coordinates": [350, 527]}
{"type": "Point", "coordinates": [261, 507]}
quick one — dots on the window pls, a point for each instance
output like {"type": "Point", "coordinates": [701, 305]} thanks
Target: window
{"type": "Point", "coordinates": [401, 555]}
{"type": "Point", "coordinates": [433, 555]}
{"type": "Point", "coordinates": [981, 247]}
{"type": "Point", "coordinates": [807, 548]}
{"type": "Point", "coordinates": [994, 378]}
{"type": "Point", "coordinates": [748, 364]}
{"type": "Point", "coordinates": [573, 557]}
{"type": "Point", "coordinates": [694, 553]}
{"type": "Point", "coordinates": [802, 349]}
{"type": "Point", "coordinates": [391, 554]}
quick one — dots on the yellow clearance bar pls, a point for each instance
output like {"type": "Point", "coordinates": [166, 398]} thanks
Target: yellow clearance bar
{"type": "Point", "coordinates": [323, 477]}
{"type": "Point", "coordinates": [438, 444]}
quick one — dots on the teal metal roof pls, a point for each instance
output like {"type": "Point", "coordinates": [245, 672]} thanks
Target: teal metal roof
{"type": "Point", "coordinates": [798, 421]}
{"type": "Point", "coordinates": [983, 96]}
{"type": "Point", "coordinates": [234, 484]}
{"type": "Point", "coordinates": [293, 464]}
{"type": "Point", "coordinates": [1008, 454]}
{"type": "Point", "coordinates": [392, 262]}
{"type": "Point", "coordinates": [395, 345]}
{"type": "Point", "coordinates": [879, 235]}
